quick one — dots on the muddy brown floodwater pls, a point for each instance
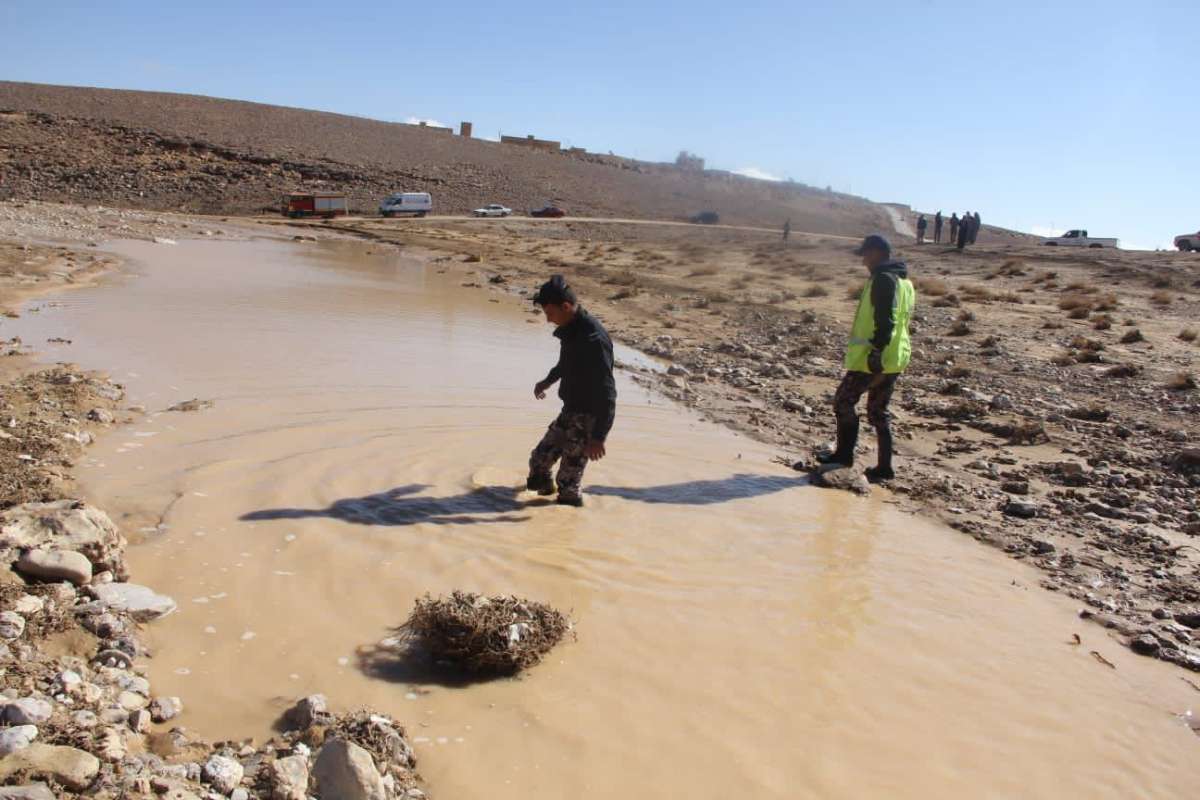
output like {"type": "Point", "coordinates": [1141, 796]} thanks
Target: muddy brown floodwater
{"type": "Point", "coordinates": [740, 633]}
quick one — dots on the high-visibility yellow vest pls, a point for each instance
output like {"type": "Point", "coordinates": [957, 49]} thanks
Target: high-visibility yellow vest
{"type": "Point", "coordinates": [899, 350]}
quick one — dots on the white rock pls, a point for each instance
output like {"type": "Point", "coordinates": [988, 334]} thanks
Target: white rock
{"type": "Point", "coordinates": [28, 711]}
{"type": "Point", "coordinates": [223, 774]}
{"type": "Point", "coordinates": [56, 565]}
{"type": "Point", "coordinates": [289, 778]}
{"type": "Point", "coordinates": [142, 603]}
{"type": "Point", "coordinates": [17, 738]}
{"type": "Point", "coordinates": [64, 525]}
{"type": "Point", "coordinates": [131, 701]}
{"type": "Point", "coordinates": [346, 771]}
{"type": "Point", "coordinates": [12, 625]}
{"type": "Point", "coordinates": [28, 604]}
{"type": "Point", "coordinates": [165, 708]}
{"type": "Point", "coordinates": [84, 719]}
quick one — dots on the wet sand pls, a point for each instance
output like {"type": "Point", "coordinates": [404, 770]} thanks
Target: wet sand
{"type": "Point", "coordinates": [739, 631]}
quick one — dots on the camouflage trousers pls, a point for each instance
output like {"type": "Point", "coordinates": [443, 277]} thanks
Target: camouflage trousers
{"type": "Point", "coordinates": [878, 389]}
{"type": "Point", "coordinates": [564, 442]}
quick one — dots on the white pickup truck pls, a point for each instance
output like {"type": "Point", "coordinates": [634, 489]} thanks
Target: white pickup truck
{"type": "Point", "coordinates": [1078, 238]}
{"type": "Point", "coordinates": [1188, 242]}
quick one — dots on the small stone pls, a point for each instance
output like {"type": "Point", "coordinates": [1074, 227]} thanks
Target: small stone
{"type": "Point", "coordinates": [239, 794]}
{"type": "Point", "coordinates": [1043, 547]}
{"type": "Point", "coordinates": [17, 738]}
{"type": "Point", "coordinates": [165, 708]}
{"type": "Point", "coordinates": [1021, 509]}
{"type": "Point", "coordinates": [1145, 645]}
{"type": "Point", "coordinates": [84, 719]}
{"type": "Point", "coordinates": [71, 767]}
{"type": "Point", "coordinates": [28, 604]}
{"type": "Point", "coordinates": [142, 603]}
{"type": "Point", "coordinates": [28, 711]}
{"type": "Point", "coordinates": [101, 415]}
{"type": "Point", "coordinates": [846, 478]}
{"type": "Point", "coordinates": [12, 625]}
{"type": "Point", "coordinates": [56, 565]}
{"type": "Point", "coordinates": [289, 778]}
{"type": "Point", "coordinates": [346, 771]}
{"type": "Point", "coordinates": [223, 774]}
{"type": "Point", "coordinates": [131, 701]}
{"type": "Point", "coordinates": [306, 713]}
{"type": "Point", "coordinates": [1015, 487]}
{"type": "Point", "coordinates": [139, 721]}
{"type": "Point", "coordinates": [30, 791]}
{"type": "Point", "coordinates": [112, 747]}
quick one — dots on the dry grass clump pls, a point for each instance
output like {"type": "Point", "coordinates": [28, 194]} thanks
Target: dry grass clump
{"type": "Point", "coordinates": [1082, 312]}
{"type": "Point", "coordinates": [1188, 334]}
{"type": "Point", "coordinates": [816, 290]}
{"type": "Point", "coordinates": [853, 291]}
{"type": "Point", "coordinates": [484, 635]}
{"type": "Point", "coordinates": [977, 294]}
{"type": "Point", "coordinates": [1182, 382]}
{"type": "Point", "coordinates": [1102, 322]}
{"type": "Point", "coordinates": [960, 328]}
{"type": "Point", "coordinates": [1080, 287]}
{"type": "Point", "coordinates": [1161, 298]}
{"type": "Point", "coordinates": [703, 272]}
{"type": "Point", "coordinates": [1074, 301]}
{"type": "Point", "coordinates": [934, 287]}
{"type": "Point", "coordinates": [1132, 337]}
{"type": "Point", "coordinates": [1123, 371]}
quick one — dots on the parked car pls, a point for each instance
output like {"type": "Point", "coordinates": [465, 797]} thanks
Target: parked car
{"type": "Point", "coordinates": [314, 204]}
{"type": "Point", "coordinates": [419, 203]}
{"type": "Point", "coordinates": [1078, 238]}
{"type": "Point", "coordinates": [548, 211]}
{"type": "Point", "coordinates": [706, 218]}
{"type": "Point", "coordinates": [493, 210]}
{"type": "Point", "coordinates": [1188, 242]}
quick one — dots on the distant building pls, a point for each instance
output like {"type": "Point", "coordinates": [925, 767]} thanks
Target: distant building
{"type": "Point", "coordinates": [464, 130]}
{"type": "Point", "coordinates": [689, 161]}
{"type": "Point", "coordinates": [530, 141]}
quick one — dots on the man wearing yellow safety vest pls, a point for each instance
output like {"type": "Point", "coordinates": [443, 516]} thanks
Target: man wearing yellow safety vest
{"type": "Point", "coordinates": [878, 352]}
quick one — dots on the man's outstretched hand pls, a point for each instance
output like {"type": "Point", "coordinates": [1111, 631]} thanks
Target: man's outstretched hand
{"type": "Point", "coordinates": [539, 390]}
{"type": "Point", "coordinates": [594, 450]}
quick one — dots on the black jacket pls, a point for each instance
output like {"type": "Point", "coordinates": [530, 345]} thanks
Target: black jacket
{"type": "Point", "coordinates": [883, 297]}
{"type": "Point", "coordinates": [585, 369]}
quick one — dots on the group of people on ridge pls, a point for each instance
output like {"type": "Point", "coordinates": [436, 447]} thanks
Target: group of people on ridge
{"type": "Point", "coordinates": [963, 231]}
{"type": "Point", "coordinates": [877, 352]}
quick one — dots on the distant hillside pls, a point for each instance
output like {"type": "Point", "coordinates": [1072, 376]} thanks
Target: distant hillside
{"type": "Point", "coordinates": [185, 152]}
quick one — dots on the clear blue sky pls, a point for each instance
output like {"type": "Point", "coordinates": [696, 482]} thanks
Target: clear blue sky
{"type": "Point", "coordinates": [1037, 114]}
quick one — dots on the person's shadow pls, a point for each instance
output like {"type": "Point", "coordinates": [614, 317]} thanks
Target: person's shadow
{"type": "Point", "coordinates": [706, 492]}
{"type": "Point", "coordinates": [403, 506]}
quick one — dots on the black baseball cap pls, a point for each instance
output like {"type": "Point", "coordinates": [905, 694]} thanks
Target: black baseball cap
{"type": "Point", "coordinates": [874, 242]}
{"type": "Point", "coordinates": [554, 292]}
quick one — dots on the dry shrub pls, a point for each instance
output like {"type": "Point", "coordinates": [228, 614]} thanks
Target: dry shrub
{"type": "Point", "coordinates": [1123, 371]}
{"type": "Point", "coordinates": [1106, 302]}
{"type": "Point", "coordinates": [960, 328]}
{"type": "Point", "coordinates": [816, 290]}
{"type": "Point", "coordinates": [1102, 322]}
{"type": "Point", "coordinates": [948, 301]}
{"type": "Point", "coordinates": [977, 294]}
{"type": "Point", "coordinates": [1132, 337]}
{"type": "Point", "coordinates": [1181, 382]}
{"type": "Point", "coordinates": [1028, 433]}
{"type": "Point", "coordinates": [484, 635]}
{"type": "Point", "coordinates": [1084, 343]}
{"type": "Point", "coordinates": [621, 279]}
{"type": "Point", "coordinates": [1089, 413]}
{"type": "Point", "coordinates": [1188, 334]}
{"type": "Point", "coordinates": [1009, 297]}
{"type": "Point", "coordinates": [959, 372]}
{"type": "Point", "coordinates": [625, 294]}
{"type": "Point", "coordinates": [703, 272]}
{"type": "Point", "coordinates": [1083, 312]}
{"type": "Point", "coordinates": [1074, 301]}
{"type": "Point", "coordinates": [1161, 298]}
{"type": "Point", "coordinates": [853, 291]}
{"type": "Point", "coordinates": [934, 287]}
{"type": "Point", "coordinates": [1063, 360]}
{"type": "Point", "coordinates": [966, 315]}
{"type": "Point", "coordinates": [1052, 325]}
{"type": "Point", "coordinates": [1080, 287]}
{"type": "Point", "coordinates": [964, 410]}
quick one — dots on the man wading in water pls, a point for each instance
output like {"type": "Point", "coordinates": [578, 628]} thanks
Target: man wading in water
{"type": "Point", "coordinates": [878, 352]}
{"type": "Point", "coordinates": [587, 389]}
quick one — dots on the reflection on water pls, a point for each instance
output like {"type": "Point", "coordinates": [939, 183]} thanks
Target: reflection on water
{"type": "Point", "coordinates": [740, 633]}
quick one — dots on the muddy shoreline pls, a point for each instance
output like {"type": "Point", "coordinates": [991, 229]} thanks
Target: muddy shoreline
{"type": "Point", "coordinates": [83, 720]}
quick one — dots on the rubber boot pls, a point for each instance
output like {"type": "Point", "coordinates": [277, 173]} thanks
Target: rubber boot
{"type": "Point", "coordinates": [847, 440]}
{"type": "Point", "coordinates": [882, 472]}
{"type": "Point", "coordinates": [542, 484]}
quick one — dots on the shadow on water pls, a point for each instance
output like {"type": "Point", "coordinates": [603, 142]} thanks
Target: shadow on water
{"type": "Point", "coordinates": [412, 665]}
{"type": "Point", "coordinates": [703, 493]}
{"type": "Point", "coordinates": [402, 506]}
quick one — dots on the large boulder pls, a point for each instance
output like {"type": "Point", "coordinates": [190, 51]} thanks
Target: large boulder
{"type": "Point", "coordinates": [345, 771]}
{"type": "Point", "coordinates": [142, 602]}
{"type": "Point", "coordinates": [847, 479]}
{"type": "Point", "coordinates": [71, 767]}
{"type": "Point", "coordinates": [289, 778]}
{"type": "Point", "coordinates": [64, 525]}
{"type": "Point", "coordinates": [56, 565]}
{"type": "Point", "coordinates": [223, 773]}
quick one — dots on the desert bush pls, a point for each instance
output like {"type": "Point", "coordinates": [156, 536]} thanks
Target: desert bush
{"type": "Point", "coordinates": [1082, 312]}
{"type": "Point", "coordinates": [1132, 337]}
{"type": "Point", "coordinates": [1063, 360]}
{"type": "Point", "coordinates": [1106, 302]}
{"type": "Point", "coordinates": [1074, 301]}
{"type": "Point", "coordinates": [1188, 334]}
{"type": "Point", "coordinates": [966, 315]}
{"type": "Point", "coordinates": [934, 287]}
{"type": "Point", "coordinates": [1161, 298]}
{"type": "Point", "coordinates": [960, 328]}
{"type": "Point", "coordinates": [947, 301]}
{"type": "Point", "coordinates": [703, 272]}
{"type": "Point", "coordinates": [1122, 371]}
{"type": "Point", "coordinates": [816, 290]}
{"type": "Point", "coordinates": [1102, 322]}
{"type": "Point", "coordinates": [1052, 325]}
{"type": "Point", "coordinates": [1181, 382]}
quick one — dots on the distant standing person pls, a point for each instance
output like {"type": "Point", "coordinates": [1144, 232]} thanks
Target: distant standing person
{"type": "Point", "coordinates": [878, 351]}
{"type": "Point", "coordinates": [922, 224]}
{"type": "Point", "coordinates": [975, 226]}
{"type": "Point", "coordinates": [584, 373]}
{"type": "Point", "coordinates": [937, 228]}
{"type": "Point", "coordinates": [953, 228]}
{"type": "Point", "coordinates": [964, 230]}
{"type": "Point", "coordinates": [787, 229]}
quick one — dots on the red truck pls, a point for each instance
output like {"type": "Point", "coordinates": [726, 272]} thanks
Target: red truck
{"type": "Point", "coordinates": [314, 204]}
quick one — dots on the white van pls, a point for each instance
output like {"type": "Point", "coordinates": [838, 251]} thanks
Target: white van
{"type": "Point", "coordinates": [419, 203]}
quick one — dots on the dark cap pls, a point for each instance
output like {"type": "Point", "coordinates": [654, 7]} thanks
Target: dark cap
{"type": "Point", "coordinates": [874, 242]}
{"type": "Point", "coordinates": [554, 292]}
